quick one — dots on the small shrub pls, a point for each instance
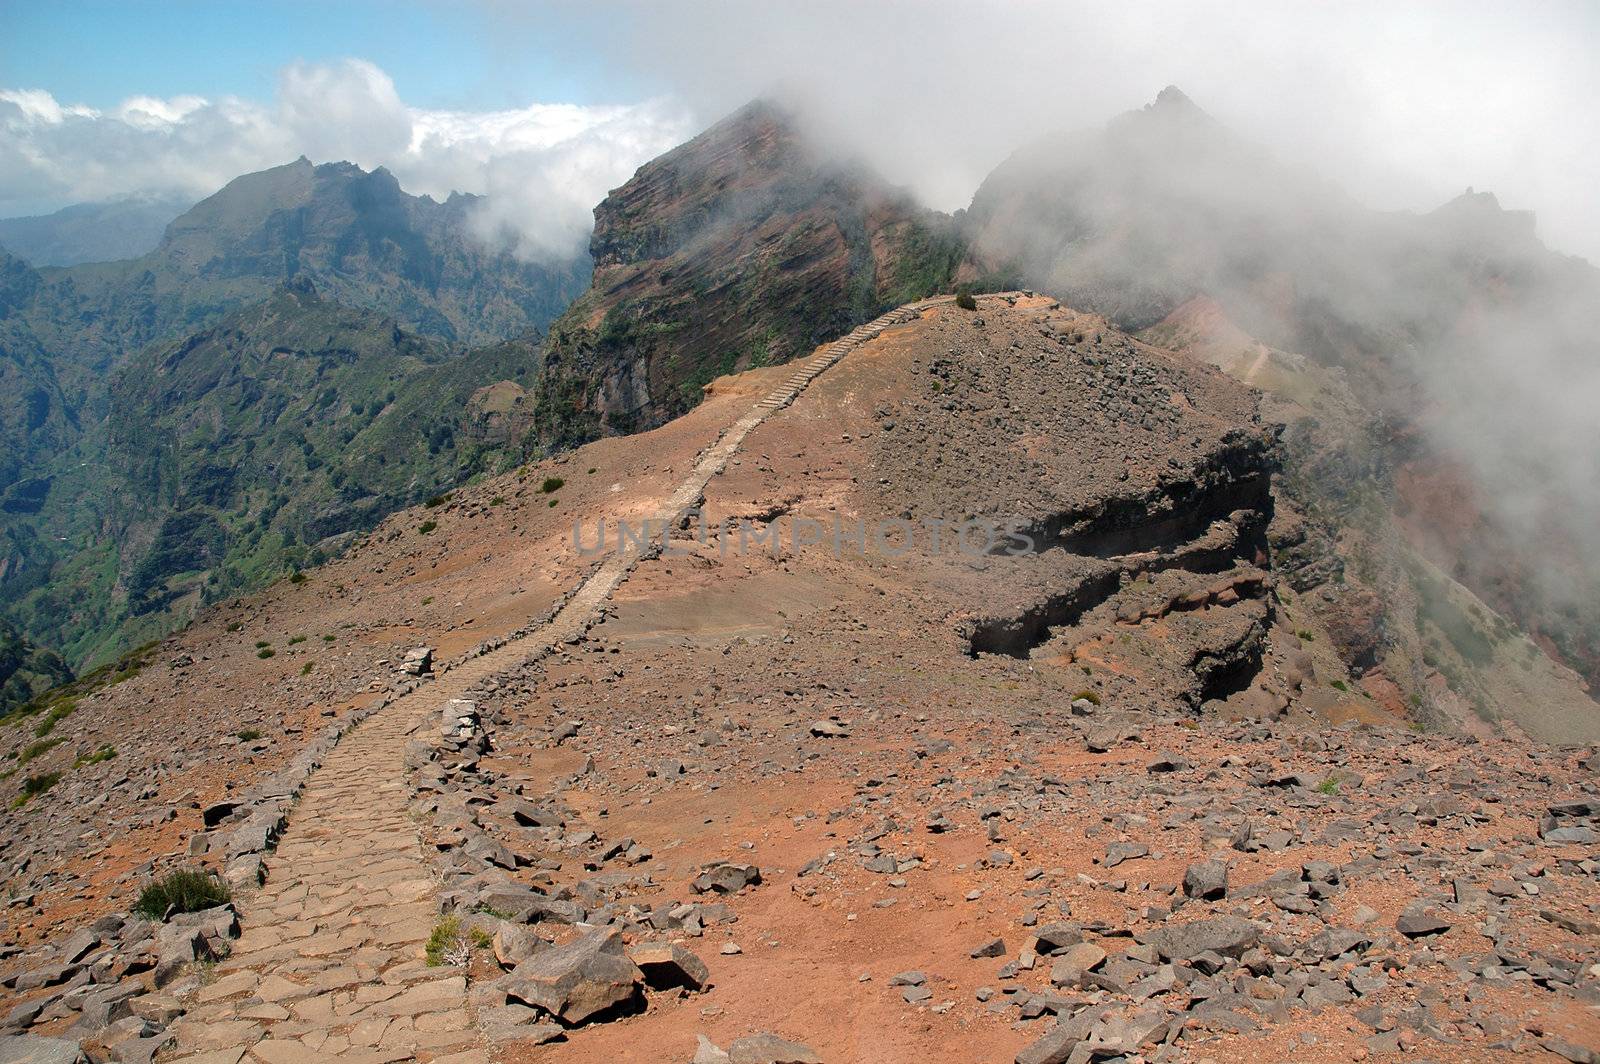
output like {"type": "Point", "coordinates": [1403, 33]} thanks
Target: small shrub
{"type": "Point", "coordinates": [427, 600]}
{"type": "Point", "coordinates": [34, 786]}
{"type": "Point", "coordinates": [187, 890]}
{"type": "Point", "coordinates": [435, 501]}
{"type": "Point", "coordinates": [553, 503]}
{"type": "Point", "coordinates": [236, 626]}
{"type": "Point", "coordinates": [305, 670]}
{"type": "Point", "coordinates": [329, 638]}
{"type": "Point", "coordinates": [446, 945]}
{"type": "Point", "coordinates": [427, 526]}
{"type": "Point", "coordinates": [1329, 786]}
{"type": "Point", "coordinates": [105, 753]}
{"type": "Point", "coordinates": [481, 938]}
{"type": "Point", "coordinates": [266, 652]}
{"type": "Point", "coordinates": [1305, 636]}
{"type": "Point", "coordinates": [33, 750]}
{"type": "Point", "coordinates": [497, 500]}
{"type": "Point", "coordinates": [593, 470]}
{"type": "Point", "coordinates": [58, 713]}
{"type": "Point", "coordinates": [965, 301]}
{"type": "Point", "coordinates": [262, 643]}
{"type": "Point", "coordinates": [297, 577]}
{"type": "Point", "coordinates": [551, 485]}
{"type": "Point", "coordinates": [1092, 697]}
{"type": "Point", "coordinates": [249, 735]}
{"type": "Point", "coordinates": [1340, 684]}
{"type": "Point", "coordinates": [296, 639]}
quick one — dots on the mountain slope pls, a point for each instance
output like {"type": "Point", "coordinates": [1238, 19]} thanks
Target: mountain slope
{"type": "Point", "coordinates": [34, 415]}
{"type": "Point", "coordinates": [744, 247]}
{"type": "Point", "coordinates": [26, 670]}
{"type": "Point", "coordinates": [92, 232]}
{"type": "Point", "coordinates": [1466, 345]}
{"type": "Point", "coordinates": [242, 451]}
{"type": "Point", "coordinates": [84, 344]}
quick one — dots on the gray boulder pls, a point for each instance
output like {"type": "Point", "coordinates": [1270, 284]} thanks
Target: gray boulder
{"type": "Point", "coordinates": [575, 981]}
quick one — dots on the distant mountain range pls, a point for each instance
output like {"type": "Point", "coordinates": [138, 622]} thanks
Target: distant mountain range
{"type": "Point", "coordinates": [92, 232]}
{"type": "Point", "coordinates": [312, 348]}
{"type": "Point", "coordinates": [103, 368]}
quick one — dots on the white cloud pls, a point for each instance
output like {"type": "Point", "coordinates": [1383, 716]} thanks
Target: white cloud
{"type": "Point", "coordinates": [545, 166]}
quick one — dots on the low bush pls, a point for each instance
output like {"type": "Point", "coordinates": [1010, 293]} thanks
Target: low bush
{"type": "Point", "coordinates": [446, 945]}
{"type": "Point", "coordinates": [551, 485]}
{"type": "Point", "coordinates": [427, 526]}
{"type": "Point", "coordinates": [33, 786]}
{"type": "Point", "coordinates": [187, 890]}
{"type": "Point", "coordinates": [965, 301]}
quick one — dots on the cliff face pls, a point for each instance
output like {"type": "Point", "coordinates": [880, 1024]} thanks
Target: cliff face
{"type": "Point", "coordinates": [1429, 363]}
{"type": "Point", "coordinates": [741, 248]}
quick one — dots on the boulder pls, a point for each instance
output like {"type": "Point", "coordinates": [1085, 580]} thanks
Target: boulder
{"type": "Point", "coordinates": [573, 982]}
{"type": "Point", "coordinates": [1206, 880]}
{"type": "Point", "coordinates": [1418, 925]}
{"type": "Point", "coordinates": [1225, 935]}
{"type": "Point", "coordinates": [725, 877]}
{"type": "Point", "coordinates": [667, 965]}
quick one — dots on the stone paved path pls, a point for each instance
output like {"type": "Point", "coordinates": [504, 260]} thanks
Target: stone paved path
{"type": "Point", "coordinates": [330, 965]}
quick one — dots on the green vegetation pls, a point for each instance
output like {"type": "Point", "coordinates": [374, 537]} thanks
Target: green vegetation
{"type": "Point", "coordinates": [1092, 697]}
{"type": "Point", "coordinates": [33, 786]}
{"type": "Point", "coordinates": [249, 735]}
{"type": "Point", "coordinates": [1463, 628]}
{"type": "Point", "coordinates": [965, 301]}
{"type": "Point", "coordinates": [929, 256]}
{"type": "Point", "coordinates": [57, 713]}
{"type": "Point", "coordinates": [187, 890]}
{"type": "Point", "coordinates": [26, 671]}
{"type": "Point", "coordinates": [294, 639]}
{"type": "Point", "coordinates": [266, 652]}
{"type": "Point", "coordinates": [104, 754]}
{"type": "Point", "coordinates": [427, 527]}
{"type": "Point", "coordinates": [39, 749]}
{"type": "Point", "coordinates": [445, 944]}
{"type": "Point", "coordinates": [297, 577]}
{"type": "Point", "coordinates": [437, 500]}
{"type": "Point", "coordinates": [305, 670]}
{"type": "Point", "coordinates": [1329, 786]}
{"type": "Point", "coordinates": [1339, 684]}
{"type": "Point", "coordinates": [551, 485]}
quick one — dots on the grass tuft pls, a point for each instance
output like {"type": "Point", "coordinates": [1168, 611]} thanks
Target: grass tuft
{"type": "Point", "coordinates": [187, 890]}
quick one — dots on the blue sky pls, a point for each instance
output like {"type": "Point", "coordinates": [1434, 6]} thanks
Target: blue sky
{"type": "Point", "coordinates": [456, 56]}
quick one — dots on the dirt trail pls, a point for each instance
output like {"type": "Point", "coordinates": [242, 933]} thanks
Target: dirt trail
{"type": "Point", "coordinates": [330, 965]}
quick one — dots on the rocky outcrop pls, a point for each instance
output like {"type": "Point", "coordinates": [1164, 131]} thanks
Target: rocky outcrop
{"type": "Point", "coordinates": [744, 247]}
